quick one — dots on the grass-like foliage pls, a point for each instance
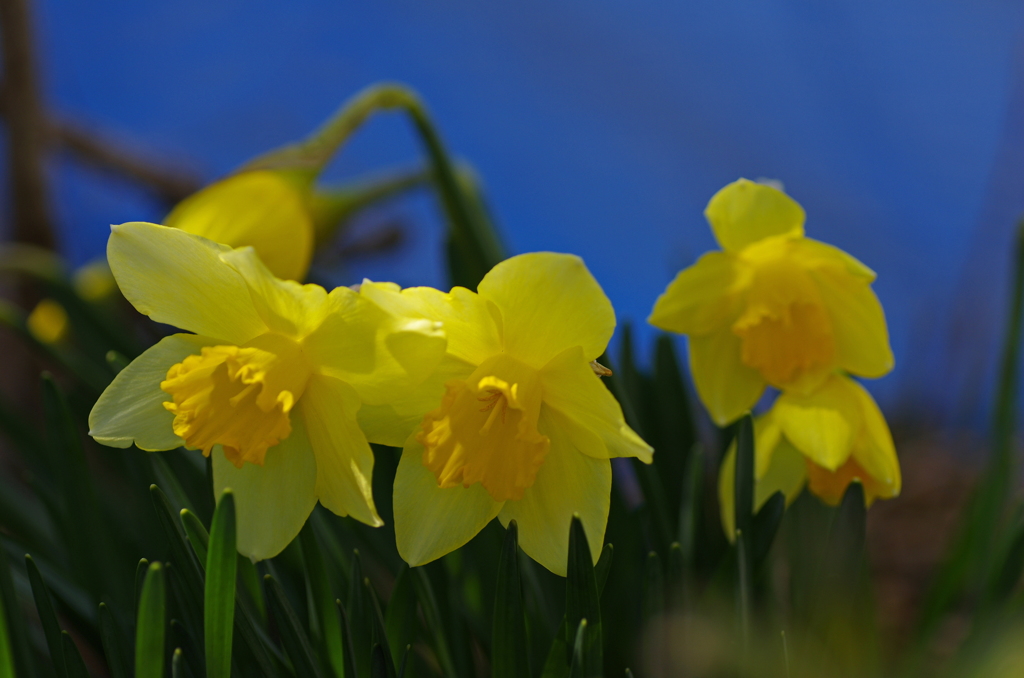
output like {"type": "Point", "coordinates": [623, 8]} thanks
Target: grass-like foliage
{"type": "Point", "coordinates": [116, 562]}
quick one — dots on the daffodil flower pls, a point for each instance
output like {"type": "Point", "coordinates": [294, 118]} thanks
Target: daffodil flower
{"type": "Point", "coordinates": [515, 424]}
{"type": "Point", "coordinates": [263, 209]}
{"type": "Point", "coordinates": [772, 307]}
{"type": "Point", "coordinates": [823, 440]}
{"type": "Point", "coordinates": [269, 383]}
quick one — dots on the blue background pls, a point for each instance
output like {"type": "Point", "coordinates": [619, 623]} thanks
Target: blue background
{"type": "Point", "coordinates": [602, 129]}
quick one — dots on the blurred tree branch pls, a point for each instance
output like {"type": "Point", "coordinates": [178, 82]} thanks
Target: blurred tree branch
{"type": "Point", "coordinates": [33, 134]}
{"type": "Point", "coordinates": [167, 184]}
{"type": "Point", "coordinates": [26, 138]}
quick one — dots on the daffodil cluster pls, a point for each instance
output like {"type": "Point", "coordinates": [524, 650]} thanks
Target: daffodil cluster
{"type": "Point", "coordinates": [775, 308]}
{"type": "Point", "coordinates": [268, 380]}
{"type": "Point", "coordinates": [492, 394]}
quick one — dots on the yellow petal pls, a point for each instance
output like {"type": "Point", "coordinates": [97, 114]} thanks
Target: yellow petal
{"type": "Point", "coordinates": [272, 500]}
{"type": "Point", "coordinates": [702, 297]}
{"type": "Point", "coordinates": [391, 423]}
{"type": "Point", "coordinates": [285, 306]}
{"type": "Point", "coordinates": [131, 409]}
{"type": "Point", "coordinates": [858, 321]}
{"type": "Point", "coordinates": [568, 482]}
{"type": "Point", "coordinates": [344, 460]}
{"type": "Point", "coordinates": [812, 254]}
{"type": "Point", "coordinates": [548, 303]}
{"type": "Point", "coordinates": [179, 279]}
{"type": "Point", "coordinates": [261, 209]}
{"type": "Point", "coordinates": [726, 386]}
{"type": "Point", "coordinates": [744, 212]}
{"type": "Point", "coordinates": [429, 521]}
{"type": "Point", "coordinates": [572, 389]}
{"type": "Point", "coordinates": [823, 424]}
{"type": "Point", "coordinates": [780, 466]}
{"type": "Point", "coordinates": [875, 451]}
{"type": "Point", "coordinates": [383, 356]}
{"type": "Point", "coordinates": [469, 320]}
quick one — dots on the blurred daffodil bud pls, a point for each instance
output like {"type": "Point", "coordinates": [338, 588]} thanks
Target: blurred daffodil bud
{"type": "Point", "coordinates": [94, 282]}
{"type": "Point", "coordinates": [48, 322]}
{"type": "Point", "coordinates": [265, 209]}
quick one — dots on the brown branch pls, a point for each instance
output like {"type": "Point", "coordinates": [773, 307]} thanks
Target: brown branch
{"type": "Point", "coordinates": [169, 185]}
{"type": "Point", "coordinates": [26, 139]}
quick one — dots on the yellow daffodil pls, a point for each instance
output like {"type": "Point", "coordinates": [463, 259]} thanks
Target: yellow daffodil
{"type": "Point", "coordinates": [772, 307]}
{"type": "Point", "coordinates": [48, 322]}
{"type": "Point", "coordinates": [825, 440]}
{"type": "Point", "coordinates": [264, 209]}
{"type": "Point", "coordinates": [269, 383]}
{"type": "Point", "coordinates": [515, 424]}
{"type": "Point", "coordinates": [94, 282]}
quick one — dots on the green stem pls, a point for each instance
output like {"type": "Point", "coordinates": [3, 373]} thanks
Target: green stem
{"type": "Point", "coordinates": [1001, 470]}
{"type": "Point", "coordinates": [333, 206]}
{"type": "Point", "coordinates": [472, 238]}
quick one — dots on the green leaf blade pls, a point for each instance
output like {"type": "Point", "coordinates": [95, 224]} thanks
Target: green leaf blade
{"type": "Point", "coordinates": [582, 601]}
{"type": "Point", "coordinates": [150, 633]}
{"type": "Point", "coordinates": [219, 592]}
{"type": "Point", "coordinates": [294, 638]}
{"type": "Point", "coordinates": [509, 653]}
{"type": "Point", "coordinates": [111, 640]}
{"type": "Point", "coordinates": [47, 617]}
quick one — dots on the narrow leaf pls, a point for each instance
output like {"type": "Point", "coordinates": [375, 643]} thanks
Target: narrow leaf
{"type": "Point", "coordinates": [405, 661]}
{"type": "Point", "coordinates": [689, 506]}
{"type": "Point", "coordinates": [178, 663]}
{"type": "Point", "coordinates": [186, 567]}
{"type": "Point", "coordinates": [379, 663]}
{"type": "Point", "coordinates": [296, 642]}
{"type": "Point", "coordinates": [73, 662]}
{"type": "Point", "coordinates": [849, 531]}
{"type": "Point", "coordinates": [400, 620]}
{"type": "Point", "coordinates": [322, 597]}
{"type": "Point", "coordinates": [18, 652]}
{"type": "Point", "coordinates": [151, 627]}
{"type": "Point", "coordinates": [113, 649]}
{"type": "Point", "coordinates": [379, 634]}
{"type": "Point", "coordinates": [509, 656]}
{"type": "Point", "coordinates": [6, 646]}
{"type": "Point", "coordinates": [47, 617]}
{"type": "Point", "coordinates": [140, 576]}
{"type": "Point", "coordinates": [581, 666]}
{"type": "Point", "coordinates": [744, 496]}
{"type": "Point", "coordinates": [603, 567]}
{"type": "Point", "coordinates": [80, 521]}
{"type": "Point", "coordinates": [180, 639]}
{"type": "Point", "coordinates": [654, 588]}
{"type": "Point", "coordinates": [219, 594]}
{"type": "Point", "coordinates": [346, 641]}
{"type": "Point", "coordinates": [115, 361]}
{"type": "Point", "coordinates": [676, 575]}
{"type": "Point", "coordinates": [196, 534]}
{"type": "Point", "coordinates": [1009, 573]}
{"type": "Point", "coordinates": [432, 615]}
{"type": "Point", "coordinates": [766, 525]}
{"type": "Point", "coordinates": [359, 618]}
{"type": "Point", "coordinates": [581, 597]}
{"type": "Point", "coordinates": [743, 588]}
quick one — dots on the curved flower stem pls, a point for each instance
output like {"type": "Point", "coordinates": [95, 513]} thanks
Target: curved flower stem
{"type": "Point", "coordinates": [335, 205]}
{"type": "Point", "coordinates": [472, 237]}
